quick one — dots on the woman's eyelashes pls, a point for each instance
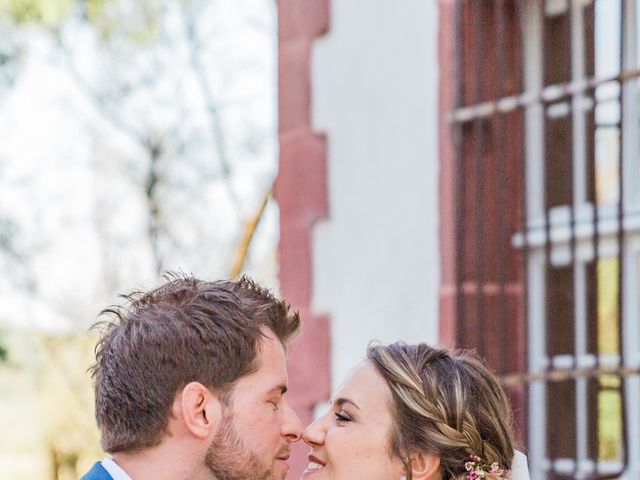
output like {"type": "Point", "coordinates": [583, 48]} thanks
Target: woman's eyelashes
{"type": "Point", "coordinates": [342, 417]}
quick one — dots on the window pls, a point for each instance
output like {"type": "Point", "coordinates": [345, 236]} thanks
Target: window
{"type": "Point", "coordinates": [546, 132]}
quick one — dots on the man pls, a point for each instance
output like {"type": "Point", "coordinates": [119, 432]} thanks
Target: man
{"type": "Point", "coordinates": [190, 381]}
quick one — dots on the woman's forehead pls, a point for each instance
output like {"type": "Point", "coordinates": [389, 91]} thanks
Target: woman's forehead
{"type": "Point", "coordinates": [364, 385]}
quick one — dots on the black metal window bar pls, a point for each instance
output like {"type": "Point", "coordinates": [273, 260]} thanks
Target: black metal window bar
{"type": "Point", "coordinates": [548, 111]}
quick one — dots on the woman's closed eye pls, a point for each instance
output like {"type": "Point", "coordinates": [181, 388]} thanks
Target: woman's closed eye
{"type": "Point", "coordinates": [342, 417]}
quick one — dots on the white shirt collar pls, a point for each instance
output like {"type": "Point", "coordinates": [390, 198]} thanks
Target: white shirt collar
{"type": "Point", "coordinates": [115, 470]}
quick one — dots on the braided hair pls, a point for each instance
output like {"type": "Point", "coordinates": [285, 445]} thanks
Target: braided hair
{"type": "Point", "coordinates": [446, 403]}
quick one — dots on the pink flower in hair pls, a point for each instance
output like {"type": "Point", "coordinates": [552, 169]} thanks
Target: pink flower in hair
{"type": "Point", "coordinates": [478, 470]}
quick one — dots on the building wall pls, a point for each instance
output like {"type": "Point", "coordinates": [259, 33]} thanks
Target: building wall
{"type": "Point", "coordinates": [375, 256]}
{"type": "Point", "coordinates": [301, 195]}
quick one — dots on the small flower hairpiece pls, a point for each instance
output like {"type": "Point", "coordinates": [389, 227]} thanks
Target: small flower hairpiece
{"type": "Point", "coordinates": [478, 470]}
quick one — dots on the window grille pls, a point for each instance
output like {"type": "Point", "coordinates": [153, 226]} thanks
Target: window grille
{"type": "Point", "coordinates": [546, 131]}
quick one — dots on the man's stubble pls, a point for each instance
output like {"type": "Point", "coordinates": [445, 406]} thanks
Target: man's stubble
{"type": "Point", "coordinates": [229, 459]}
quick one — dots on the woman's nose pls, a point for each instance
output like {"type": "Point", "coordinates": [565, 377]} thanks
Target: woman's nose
{"type": "Point", "coordinates": [314, 434]}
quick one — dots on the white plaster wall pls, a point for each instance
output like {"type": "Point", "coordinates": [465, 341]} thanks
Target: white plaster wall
{"type": "Point", "coordinates": [376, 260]}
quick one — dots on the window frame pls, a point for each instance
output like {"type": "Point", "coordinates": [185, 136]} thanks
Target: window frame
{"type": "Point", "coordinates": [556, 225]}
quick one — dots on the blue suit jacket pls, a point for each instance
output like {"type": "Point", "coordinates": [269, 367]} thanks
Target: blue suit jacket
{"type": "Point", "coordinates": [97, 472]}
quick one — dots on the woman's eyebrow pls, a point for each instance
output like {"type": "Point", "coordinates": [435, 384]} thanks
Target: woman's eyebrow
{"type": "Point", "coordinates": [341, 401]}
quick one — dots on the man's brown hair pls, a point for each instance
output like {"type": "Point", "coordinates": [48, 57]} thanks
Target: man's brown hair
{"type": "Point", "coordinates": [159, 341]}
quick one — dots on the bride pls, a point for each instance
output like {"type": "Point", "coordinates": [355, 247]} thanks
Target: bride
{"type": "Point", "coordinates": [414, 412]}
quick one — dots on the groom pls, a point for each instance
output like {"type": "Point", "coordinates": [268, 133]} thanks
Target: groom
{"type": "Point", "coordinates": [189, 383]}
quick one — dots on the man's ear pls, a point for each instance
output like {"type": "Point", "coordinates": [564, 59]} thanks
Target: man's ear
{"type": "Point", "coordinates": [425, 466]}
{"type": "Point", "coordinates": [199, 408]}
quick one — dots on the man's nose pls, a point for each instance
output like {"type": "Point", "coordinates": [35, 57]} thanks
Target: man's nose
{"type": "Point", "coordinates": [291, 426]}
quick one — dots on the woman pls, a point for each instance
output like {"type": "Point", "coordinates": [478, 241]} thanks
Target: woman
{"type": "Point", "coordinates": [419, 413]}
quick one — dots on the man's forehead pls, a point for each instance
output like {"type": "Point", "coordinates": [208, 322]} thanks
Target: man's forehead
{"type": "Point", "coordinates": [271, 372]}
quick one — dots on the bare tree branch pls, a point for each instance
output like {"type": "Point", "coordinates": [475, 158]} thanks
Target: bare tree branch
{"type": "Point", "coordinates": [152, 147]}
{"type": "Point", "coordinates": [154, 227]}
{"type": "Point", "coordinates": [212, 108]}
{"type": "Point", "coordinates": [250, 228]}
{"type": "Point", "coordinates": [96, 99]}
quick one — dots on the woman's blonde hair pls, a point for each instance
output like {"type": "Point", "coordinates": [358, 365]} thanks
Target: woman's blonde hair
{"type": "Point", "coordinates": [446, 403]}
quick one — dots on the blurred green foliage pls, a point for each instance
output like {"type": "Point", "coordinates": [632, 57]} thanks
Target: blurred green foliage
{"type": "Point", "coordinates": [608, 289]}
{"type": "Point", "coordinates": [609, 425]}
{"type": "Point", "coordinates": [46, 405]}
{"type": "Point", "coordinates": [140, 26]}
{"type": "Point", "coordinates": [609, 398]}
{"type": "Point", "coordinates": [4, 350]}
{"type": "Point", "coordinates": [46, 12]}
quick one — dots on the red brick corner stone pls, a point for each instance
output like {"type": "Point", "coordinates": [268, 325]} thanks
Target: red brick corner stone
{"type": "Point", "coordinates": [302, 197]}
{"type": "Point", "coordinates": [446, 86]}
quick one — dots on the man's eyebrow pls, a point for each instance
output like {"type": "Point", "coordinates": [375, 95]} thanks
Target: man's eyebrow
{"type": "Point", "coordinates": [282, 388]}
{"type": "Point", "coordinates": [341, 401]}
